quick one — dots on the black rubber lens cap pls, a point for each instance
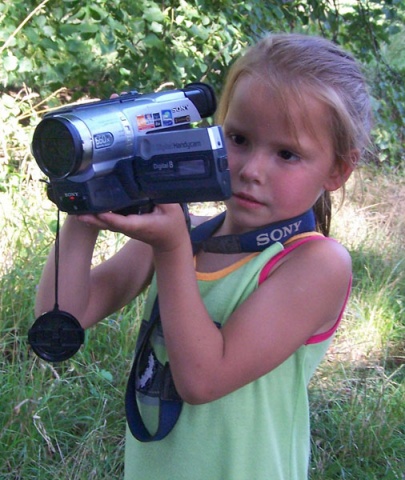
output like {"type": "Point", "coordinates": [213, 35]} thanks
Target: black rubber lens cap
{"type": "Point", "coordinates": [56, 336]}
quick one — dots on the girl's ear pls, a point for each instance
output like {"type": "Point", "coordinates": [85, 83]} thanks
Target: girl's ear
{"type": "Point", "coordinates": [340, 173]}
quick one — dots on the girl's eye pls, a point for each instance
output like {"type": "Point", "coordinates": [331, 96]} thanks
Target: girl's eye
{"type": "Point", "coordinates": [237, 139]}
{"type": "Point", "coordinates": [289, 156]}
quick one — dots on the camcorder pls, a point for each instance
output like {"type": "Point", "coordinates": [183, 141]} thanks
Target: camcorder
{"type": "Point", "coordinates": [124, 155]}
{"type": "Point", "coordinates": [128, 153]}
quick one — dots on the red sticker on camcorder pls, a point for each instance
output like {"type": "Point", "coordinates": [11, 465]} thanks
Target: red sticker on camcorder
{"type": "Point", "coordinates": [148, 121]}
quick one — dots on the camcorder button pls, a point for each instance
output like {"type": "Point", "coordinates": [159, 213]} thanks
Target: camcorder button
{"type": "Point", "coordinates": [222, 163]}
{"type": "Point", "coordinates": [74, 203]}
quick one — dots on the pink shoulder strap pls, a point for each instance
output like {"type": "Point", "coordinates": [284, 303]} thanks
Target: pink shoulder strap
{"type": "Point", "coordinates": [266, 270]}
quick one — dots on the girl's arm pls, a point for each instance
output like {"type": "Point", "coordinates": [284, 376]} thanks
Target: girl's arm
{"type": "Point", "coordinates": [92, 294]}
{"type": "Point", "coordinates": [303, 296]}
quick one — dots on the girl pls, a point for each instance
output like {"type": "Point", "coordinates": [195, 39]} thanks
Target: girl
{"type": "Point", "coordinates": [243, 332]}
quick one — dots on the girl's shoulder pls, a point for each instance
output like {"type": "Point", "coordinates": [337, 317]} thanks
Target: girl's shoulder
{"type": "Point", "coordinates": [325, 252]}
{"type": "Point", "coordinates": [313, 252]}
{"type": "Point", "coordinates": [315, 277]}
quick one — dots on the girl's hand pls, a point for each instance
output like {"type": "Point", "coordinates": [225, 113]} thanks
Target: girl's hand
{"type": "Point", "coordinates": [164, 229]}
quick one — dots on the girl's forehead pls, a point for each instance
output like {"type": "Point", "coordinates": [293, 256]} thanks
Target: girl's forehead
{"type": "Point", "coordinates": [294, 104]}
{"type": "Point", "coordinates": [281, 94]}
{"type": "Point", "coordinates": [297, 115]}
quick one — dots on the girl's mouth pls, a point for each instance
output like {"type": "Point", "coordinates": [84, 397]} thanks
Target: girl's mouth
{"type": "Point", "coordinates": [246, 200]}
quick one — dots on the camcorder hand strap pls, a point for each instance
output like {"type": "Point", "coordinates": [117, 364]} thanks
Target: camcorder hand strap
{"type": "Point", "coordinates": [148, 375]}
{"type": "Point", "coordinates": [170, 403]}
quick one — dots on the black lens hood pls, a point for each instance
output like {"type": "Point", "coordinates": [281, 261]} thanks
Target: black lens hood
{"type": "Point", "coordinates": [56, 336]}
{"type": "Point", "coordinates": [203, 97]}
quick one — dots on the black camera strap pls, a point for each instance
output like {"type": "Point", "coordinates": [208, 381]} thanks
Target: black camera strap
{"type": "Point", "coordinates": [149, 376]}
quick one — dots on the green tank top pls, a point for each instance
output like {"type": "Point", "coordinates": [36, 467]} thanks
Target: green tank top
{"type": "Point", "coordinates": [260, 432]}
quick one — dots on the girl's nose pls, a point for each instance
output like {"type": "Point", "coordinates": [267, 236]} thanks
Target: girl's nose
{"type": "Point", "coordinates": [255, 167]}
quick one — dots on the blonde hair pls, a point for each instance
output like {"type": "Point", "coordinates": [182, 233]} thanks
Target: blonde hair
{"type": "Point", "coordinates": [295, 65]}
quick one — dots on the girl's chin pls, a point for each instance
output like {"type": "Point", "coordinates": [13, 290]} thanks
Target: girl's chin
{"type": "Point", "coordinates": [248, 219]}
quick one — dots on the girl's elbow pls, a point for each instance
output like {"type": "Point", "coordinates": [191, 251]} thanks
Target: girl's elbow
{"type": "Point", "coordinates": [197, 393]}
{"type": "Point", "coordinates": [194, 398]}
{"type": "Point", "coordinates": [42, 305]}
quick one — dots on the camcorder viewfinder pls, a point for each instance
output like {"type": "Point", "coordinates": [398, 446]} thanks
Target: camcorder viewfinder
{"type": "Point", "coordinates": [127, 153]}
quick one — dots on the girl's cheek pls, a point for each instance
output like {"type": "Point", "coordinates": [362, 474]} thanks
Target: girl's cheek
{"type": "Point", "coordinates": [234, 160]}
{"type": "Point", "coordinates": [233, 167]}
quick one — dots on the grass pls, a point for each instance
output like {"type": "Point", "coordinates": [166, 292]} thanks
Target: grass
{"type": "Point", "coordinates": [56, 421]}
{"type": "Point", "coordinates": [358, 393]}
{"type": "Point", "coordinates": [67, 420]}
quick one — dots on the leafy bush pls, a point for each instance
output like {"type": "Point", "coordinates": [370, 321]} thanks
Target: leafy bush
{"type": "Point", "coordinates": [98, 47]}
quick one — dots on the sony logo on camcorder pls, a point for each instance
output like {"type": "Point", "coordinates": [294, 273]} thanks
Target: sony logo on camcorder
{"type": "Point", "coordinates": [180, 108]}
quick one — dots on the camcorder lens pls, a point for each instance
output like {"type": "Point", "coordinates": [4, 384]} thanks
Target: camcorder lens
{"type": "Point", "coordinates": [55, 147]}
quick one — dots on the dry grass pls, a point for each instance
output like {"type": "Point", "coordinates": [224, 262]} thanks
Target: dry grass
{"type": "Point", "coordinates": [358, 393]}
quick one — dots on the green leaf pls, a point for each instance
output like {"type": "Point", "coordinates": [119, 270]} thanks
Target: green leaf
{"type": "Point", "coordinates": [179, 19]}
{"type": "Point", "coordinates": [152, 40]}
{"type": "Point", "coordinates": [74, 46]}
{"type": "Point", "coordinates": [52, 225]}
{"type": "Point", "coordinates": [88, 28]}
{"type": "Point", "coordinates": [41, 20]}
{"type": "Point", "coordinates": [32, 35]}
{"type": "Point", "coordinates": [106, 375]}
{"type": "Point", "coordinates": [48, 44]}
{"type": "Point", "coordinates": [68, 29]}
{"type": "Point", "coordinates": [200, 32]}
{"type": "Point", "coordinates": [48, 31]}
{"type": "Point", "coordinates": [7, 101]}
{"type": "Point", "coordinates": [25, 65]}
{"type": "Point", "coordinates": [153, 14]}
{"type": "Point", "coordinates": [97, 13]}
{"type": "Point", "coordinates": [156, 27]}
{"type": "Point", "coordinates": [10, 63]}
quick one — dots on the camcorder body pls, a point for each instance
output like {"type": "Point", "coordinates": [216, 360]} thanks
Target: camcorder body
{"type": "Point", "coordinates": [127, 153]}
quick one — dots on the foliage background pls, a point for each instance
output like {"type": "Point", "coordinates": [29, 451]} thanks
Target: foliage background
{"type": "Point", "coordinates": [69, 48]}
{"type": "Point", "coordinates": [66, 421]}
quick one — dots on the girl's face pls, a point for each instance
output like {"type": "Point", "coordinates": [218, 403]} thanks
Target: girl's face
{"type": "Point", "coordinates": [277, 172]}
